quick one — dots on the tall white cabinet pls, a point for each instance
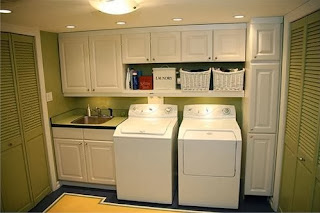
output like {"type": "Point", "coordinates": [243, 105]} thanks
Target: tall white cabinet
{"type": "Point", "coordinates": [261, 104]}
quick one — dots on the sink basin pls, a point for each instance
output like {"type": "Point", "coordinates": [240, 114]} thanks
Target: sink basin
{"type": "Point", "coordinates": [91, 120]}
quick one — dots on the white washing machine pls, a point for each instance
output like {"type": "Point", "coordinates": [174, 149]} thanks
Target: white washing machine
{"type": "Point", "coordinates": [209, 157]}
{"type": "Point", "coordinates": [145, 146]}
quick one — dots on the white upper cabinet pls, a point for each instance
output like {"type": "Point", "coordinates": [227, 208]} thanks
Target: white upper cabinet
{"type": "Point", "coordinates": [75, 68]}
{"type": "Point", "coordinates": [266, 41]}
{"type": "Point", "coordinates": [196, 46]}
{"type": "Point", "coordinates": [105, 62]}
{"type": "Point", "coordinates": [229, 45]}
{"type": "Point", "coordinates": [166, 47]}
{"type": "Point", "coordinates": [135, 48]}
{"type": "Point", "coordinates": [264, 99]}
{"type": "Point", "coordinates": [90, 64]}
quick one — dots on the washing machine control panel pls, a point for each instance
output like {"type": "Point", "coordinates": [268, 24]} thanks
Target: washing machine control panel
{"type": "Point", "coordinates": [209, 111]}
{"type": "Point", "coordinates": [153, 110]}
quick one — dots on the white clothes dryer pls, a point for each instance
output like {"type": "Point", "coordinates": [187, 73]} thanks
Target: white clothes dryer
{"type": "Point", "coordinates": [145, 146]}
{"type": "Point", "coordinates": [209, 157]}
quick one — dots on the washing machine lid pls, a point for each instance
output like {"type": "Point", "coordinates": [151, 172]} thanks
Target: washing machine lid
{"type": "Point", "coordinates": [151, 126]}
{"type": "Point", "coordinates": [209, 153]}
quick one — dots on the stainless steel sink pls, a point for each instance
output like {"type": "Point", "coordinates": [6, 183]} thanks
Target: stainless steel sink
{"type": "Point", "coordinates": [91, 120]}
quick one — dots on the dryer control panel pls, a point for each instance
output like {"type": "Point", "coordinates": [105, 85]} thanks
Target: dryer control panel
{"type": "Point", "coordinates": [210, 111]}
{"type": "Point", "coordinates": [153, 110]}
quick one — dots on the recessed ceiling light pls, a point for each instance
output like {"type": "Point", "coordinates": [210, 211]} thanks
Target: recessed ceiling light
{"type": "Point", "coordinates": [238, 16]}
{"type": "Point", "coordinates": [70, 26]}
{"type": "Point", "coordinates": [177, 19]}
{"type": "Point", "coordinates": [5, 11]}
{"type": "Point", "coordinates": [121, 22]}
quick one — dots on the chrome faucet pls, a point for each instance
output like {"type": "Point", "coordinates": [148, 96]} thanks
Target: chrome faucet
{"type": "Point", "coordinates": [98, 110]}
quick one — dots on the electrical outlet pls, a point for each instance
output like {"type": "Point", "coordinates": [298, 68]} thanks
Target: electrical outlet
{"type": "Point", "coordinates": [49, 96]}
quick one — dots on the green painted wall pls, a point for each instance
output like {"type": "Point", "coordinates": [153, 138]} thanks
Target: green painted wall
{"type": "Point", "coordinates": [51, 66]}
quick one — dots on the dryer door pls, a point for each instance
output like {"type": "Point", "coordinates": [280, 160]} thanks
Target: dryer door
{"type": "Point", "coordinates": [209, 153]}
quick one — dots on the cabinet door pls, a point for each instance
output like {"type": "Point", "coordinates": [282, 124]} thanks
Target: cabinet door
{"type": "Point", "coordinates": [70, 159]}
{"type": "Point", "coordinates": [266, 41]}
{"type": "Point", "coordinates": [196, 46]}
{"type": "Point", "coordinates": [135, 48]}
{"type": "Point", "coordinates": [229, 45]}
{"type": "Point", "coordinates": [105, 63]}
{"type": "Point", "coordinates": [166, 47]}
{"type": "Point", "coordinates": [75, 68]}
{"type": "Point", "coordinates": [14, 181]}
{"type": "Point", "coordinates": [260, 164]}
{"type": "Point", "coordinates": [100, 162]}
{"type": "Point", "coordinates": [264, 98]}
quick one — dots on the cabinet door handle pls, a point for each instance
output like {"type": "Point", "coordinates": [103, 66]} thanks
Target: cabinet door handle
{"type": "Point", "coordinates": [85, 143]}
{"type": "Point", "coordinates": [153, 59]}
{"type": "Point", "coordinates": [209, 58]}
{"type": "Point", "coordinates": [301, 159]}
{"type": "Point", "coordinates": [147, 59]}
{"type": "Point", "coordinates": [255, 56]}
{"type": "Point", "coordinates": [80, 143]}
{"type": "Point", "coordinates": [215, 57]}
{"type": "Point", "coordinates": [10, 144]}
{"type": "Point", "coordinates": [88, 90]}
{"type": "Point", "coordinates": [93, 90]}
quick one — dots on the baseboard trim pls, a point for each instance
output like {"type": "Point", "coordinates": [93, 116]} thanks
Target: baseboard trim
{"type": "Point", "coordinates": [87, 185]}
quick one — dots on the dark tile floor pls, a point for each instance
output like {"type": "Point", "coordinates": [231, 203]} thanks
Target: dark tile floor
{"type": "Point", "coordinates": [246, 204]}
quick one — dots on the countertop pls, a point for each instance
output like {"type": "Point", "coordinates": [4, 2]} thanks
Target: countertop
{"type": "Point", "coordinates": [65, 119]}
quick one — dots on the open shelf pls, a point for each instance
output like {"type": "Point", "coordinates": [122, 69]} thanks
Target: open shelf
{"type": "Point", "coordinates": [179, 93]}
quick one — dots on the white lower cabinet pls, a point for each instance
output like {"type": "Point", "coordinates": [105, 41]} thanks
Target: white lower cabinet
{"type": "Point", "coordinates": [89, 159]}
{"type": "Point", "coordinates": [70, 159]}
{"type": "Point", "coordinates": [260, 164]}
{"type": "Point", "coordinates": [100, 162]}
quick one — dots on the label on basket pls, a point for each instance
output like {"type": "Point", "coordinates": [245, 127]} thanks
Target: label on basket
{"type": "Point", "coordinates": [164, 78]}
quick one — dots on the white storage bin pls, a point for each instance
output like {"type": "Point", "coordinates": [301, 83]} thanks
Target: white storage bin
{"type": "Point", "coordinates": [195, 81]}
{"type": "Point", "coordinates": [164, 78]}
{"type": "Point", "coordinates": [228, 81]}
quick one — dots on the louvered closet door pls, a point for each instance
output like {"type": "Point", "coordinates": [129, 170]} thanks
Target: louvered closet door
{"type": "Point", "coordinates": [29, 98]}
{"type": "Point", "coordinates": [295, 84]}
{"type": "Point", "coordinates": [14, 179]}
{"type": "Point", "coordinates": [310, 109]}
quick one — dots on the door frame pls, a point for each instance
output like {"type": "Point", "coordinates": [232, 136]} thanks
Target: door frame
{"type": "Point", "coordinates": [303, 10]}
{"type": "Point", "coordinates": [46, 122]}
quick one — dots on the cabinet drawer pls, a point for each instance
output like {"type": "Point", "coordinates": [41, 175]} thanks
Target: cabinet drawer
{"type": "Point", "coordinates": [72, 133]}
{"type": "Point", "coordinates": [98, 134]}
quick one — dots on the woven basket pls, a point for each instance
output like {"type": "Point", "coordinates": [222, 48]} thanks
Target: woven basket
{"type": "Point", "coordinates": [228, 81]}
{"type": "Point", "coordinates": [195, 81]}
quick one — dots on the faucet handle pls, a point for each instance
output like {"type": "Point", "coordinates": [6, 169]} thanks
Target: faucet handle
{"type": "Point", "coordinates": [110, 112]}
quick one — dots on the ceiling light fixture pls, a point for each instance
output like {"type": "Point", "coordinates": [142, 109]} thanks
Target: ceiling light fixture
{"type": "Point", "coordinates": [121, 22]}
{"type": "Point", "coordinates": [5, 11]}
{"type": "Point", "coordinates": [177, 19]}
{"type": "Point", "coordinates": [70, 26]}
{"type": "Point", "coordinates": [114, 7]}
{"type": "Point", "coordinates": [238, 16]}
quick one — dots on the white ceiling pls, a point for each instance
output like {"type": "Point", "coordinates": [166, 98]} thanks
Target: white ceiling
{"type": "Point", "coordinates": [54, 15]}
